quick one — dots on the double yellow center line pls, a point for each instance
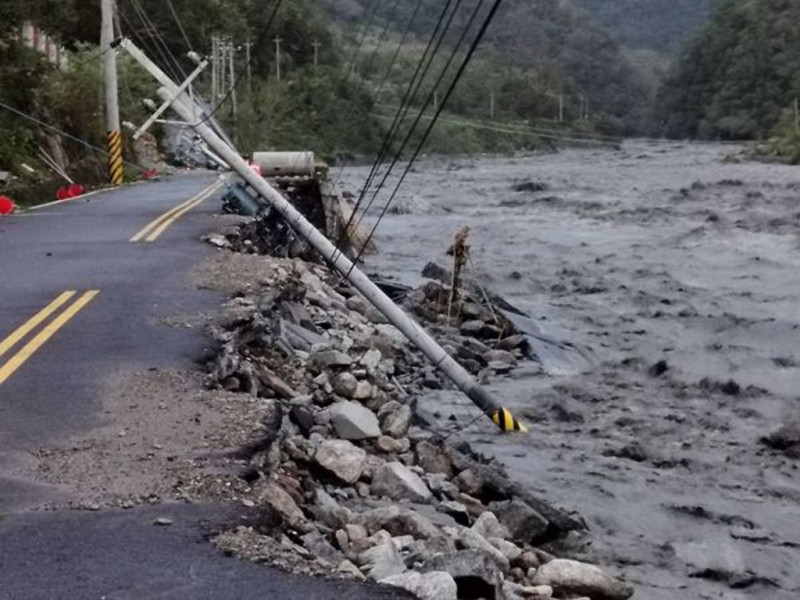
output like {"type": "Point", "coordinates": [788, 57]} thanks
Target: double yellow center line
{"type": "Point", "coordinates": [155, 228]}
{"type": "Point", "coordinates": [48, 331]}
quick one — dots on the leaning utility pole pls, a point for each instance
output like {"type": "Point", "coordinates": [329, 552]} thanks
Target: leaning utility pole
{"type": "Point", "coordinates": [111, 92]}
{"type": "Point", "coordinates": [181, 103]}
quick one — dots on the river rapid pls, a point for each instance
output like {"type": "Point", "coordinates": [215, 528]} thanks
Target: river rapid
{"type": "Point", "coordinates": [662, 283]}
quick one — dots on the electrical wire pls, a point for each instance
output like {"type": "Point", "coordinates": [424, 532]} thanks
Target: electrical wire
{"type": "Point", "coordinates": [570, 135]}
{"type": "Point", "coordinates": [382, 37]}
{"type": "Point", "coordinates": [41, 123]}
{"type": "Point", "coordinates": [365, 25]}
{"type": "Point", "coordinates": [147, 43]}
{"type": "Point", "coordinates": [514, 130]}
{"type": "Point", "coordinates": [408, 98]}
{"type": "Point", "coordinates": [487, 21]}
{"type": "Point", "coordinates": [159, 42]}
{"type": "Point", "coordinates": [428, 100]}
{"type": "Point", "coordinates": [389, 70]}
{"type": "Point", "coordinates": [399, 48]}
{"type": "Point", "coordinates": [411, 92]}
{"type": "Point", "coordinates": [179, 24]}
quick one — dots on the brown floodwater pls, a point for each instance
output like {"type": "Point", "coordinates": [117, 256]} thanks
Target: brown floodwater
{"type": "Point", "coordinates": [662, 285]}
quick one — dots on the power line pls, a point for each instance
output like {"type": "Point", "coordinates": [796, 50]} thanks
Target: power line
{"type": "Point", "coordinates": [387, 74]}
{"type": "Point", "coordinates": [516, 130]}
{"type": "Point", "coordinates": [407, 107]}
{"type": "Point", "coordinates": [454, 82]}
{"type": "Point", "coordinates": [399, 48]}
{"type": "Point", "coordinates": [148, 43]}
{"type": "Point", "coordinates": [179, 24]}
{"type": "Point", "coordinates": [84, 143]}
{"type": "Point", "coordinates": [408, 97]}
{"type": "Point", "coordinates": [540, 131]}
{"type": "Point", "coordinates": [365, 24]}
{"type": "Point", "coordinates": [166, 53]}
{"type": "Point", "coordinates": [382, 37]}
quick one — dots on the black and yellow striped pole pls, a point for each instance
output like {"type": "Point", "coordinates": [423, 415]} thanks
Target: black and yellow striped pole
{"type": "Point", "coordinates": [115, 157]}
{"type": "Point", "coordinates": [112, 98]}
{"type": "Point", "coordinates": [503, 418]}
{"type": "Point", "coordinates": [500, 415]}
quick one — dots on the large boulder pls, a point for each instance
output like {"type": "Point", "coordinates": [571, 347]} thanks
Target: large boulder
{"type": "Point", "coordinates": [275, 497]}
{"type": "Point", "coordinates": [345, 384]}
{"type": "Point", "coordinates": [524, 524]}
{"type": "Point", "coordinates": [433, 459]}
{"type": "Point", "coordinates": [325, 359]}
{"type": "Point", "coordinates": [353, 421]}
{"type": "Point", "coordinates": [342, 459]}
{"type": "Point", "coordinates": [398, 522]}
{"type": "Point", "coordinates": [436, 585]}
{"type": "Point", "coordinates": [581, 579]}
{"type": "Point", "coordinates": [396, 481]}
{"type": "Point", "coordinates": [381, 561]}
{"type": "Point", "coordinates": [467, 538]}
{"type": "Point", "coordinates": [397, 422]}
{"type": "Point", "coordinates": [488, 526]}
{"type": "Point", "coordinates": [329, 512]}
{"type": "Point", "coordinates": [475, 573]}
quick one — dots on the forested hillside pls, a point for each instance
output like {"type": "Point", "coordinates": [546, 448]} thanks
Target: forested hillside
{"type": "Point", "coordinates": [659, 25]}
{"type": "Point", "coordinates": [312, 106]}
{"type": "Point", "coordinates": [568, 52]}
{"type": "Point", "coordinates": [740, 78]}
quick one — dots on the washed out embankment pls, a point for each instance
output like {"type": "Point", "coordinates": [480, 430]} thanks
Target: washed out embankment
{"type": "Point", "coordinates": [354, 481]}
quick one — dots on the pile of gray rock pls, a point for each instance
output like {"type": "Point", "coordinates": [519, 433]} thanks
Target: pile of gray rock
{"type": "Point", "coordinates": [352, 483]}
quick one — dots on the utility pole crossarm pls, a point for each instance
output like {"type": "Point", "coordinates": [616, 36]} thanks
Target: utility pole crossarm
{"type": "Point", "coordinates": [165, 106]}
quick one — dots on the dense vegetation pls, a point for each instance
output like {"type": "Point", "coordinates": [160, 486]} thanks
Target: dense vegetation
{"type": "Point", "coordinates": [740, 77]}
{"type": "Point", "coordinates": [546, 48]}
{"type": "Point", "coordinates": [659, 25]}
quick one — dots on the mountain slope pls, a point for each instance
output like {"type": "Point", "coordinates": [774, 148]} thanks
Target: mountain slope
{"type": "Point", "coordinates": [735, 80]}
{"type": "Point", "coordinates": [548, 35]}
{"type": "Point", "coordinates": [659, 25]}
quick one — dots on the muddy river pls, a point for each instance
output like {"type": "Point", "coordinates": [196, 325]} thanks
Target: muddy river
{"type": "Point", "coordinates": [662, 283]}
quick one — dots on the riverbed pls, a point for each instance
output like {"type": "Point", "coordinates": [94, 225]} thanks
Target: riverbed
{"type": "Point", "coordinates": [662, 283]}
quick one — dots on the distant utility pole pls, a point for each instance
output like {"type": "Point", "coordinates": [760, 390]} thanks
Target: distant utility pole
{"type": "Point", "coordinates": [111, 92]}
{"type": "Point", "coordinates": [215, 74]}
{"type": "Point", "coordinates": [491, 105]}
{"type": "Point", "coordinates": [316, 46]}
{"type": "Point", "coordinates": [248, 49]}
{"type": "Point", "coordinates": [278, 41]}
{"type": "Point", "coordinates": [232, 87]}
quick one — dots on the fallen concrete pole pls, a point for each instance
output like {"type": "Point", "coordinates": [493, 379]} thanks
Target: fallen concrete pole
{"type": "Point", "coordinates": [396, 316]}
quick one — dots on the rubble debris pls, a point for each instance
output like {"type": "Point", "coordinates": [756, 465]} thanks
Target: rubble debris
{"type": "Point", "coordinates": [436, 585]}
{"type": "Point", "coordinates": [356, 486]}
{"type": "Point", "coordinates": [573, 577]}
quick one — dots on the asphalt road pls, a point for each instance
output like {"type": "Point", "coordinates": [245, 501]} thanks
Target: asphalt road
{"type": "Point", "coordinates": [79, 299]}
